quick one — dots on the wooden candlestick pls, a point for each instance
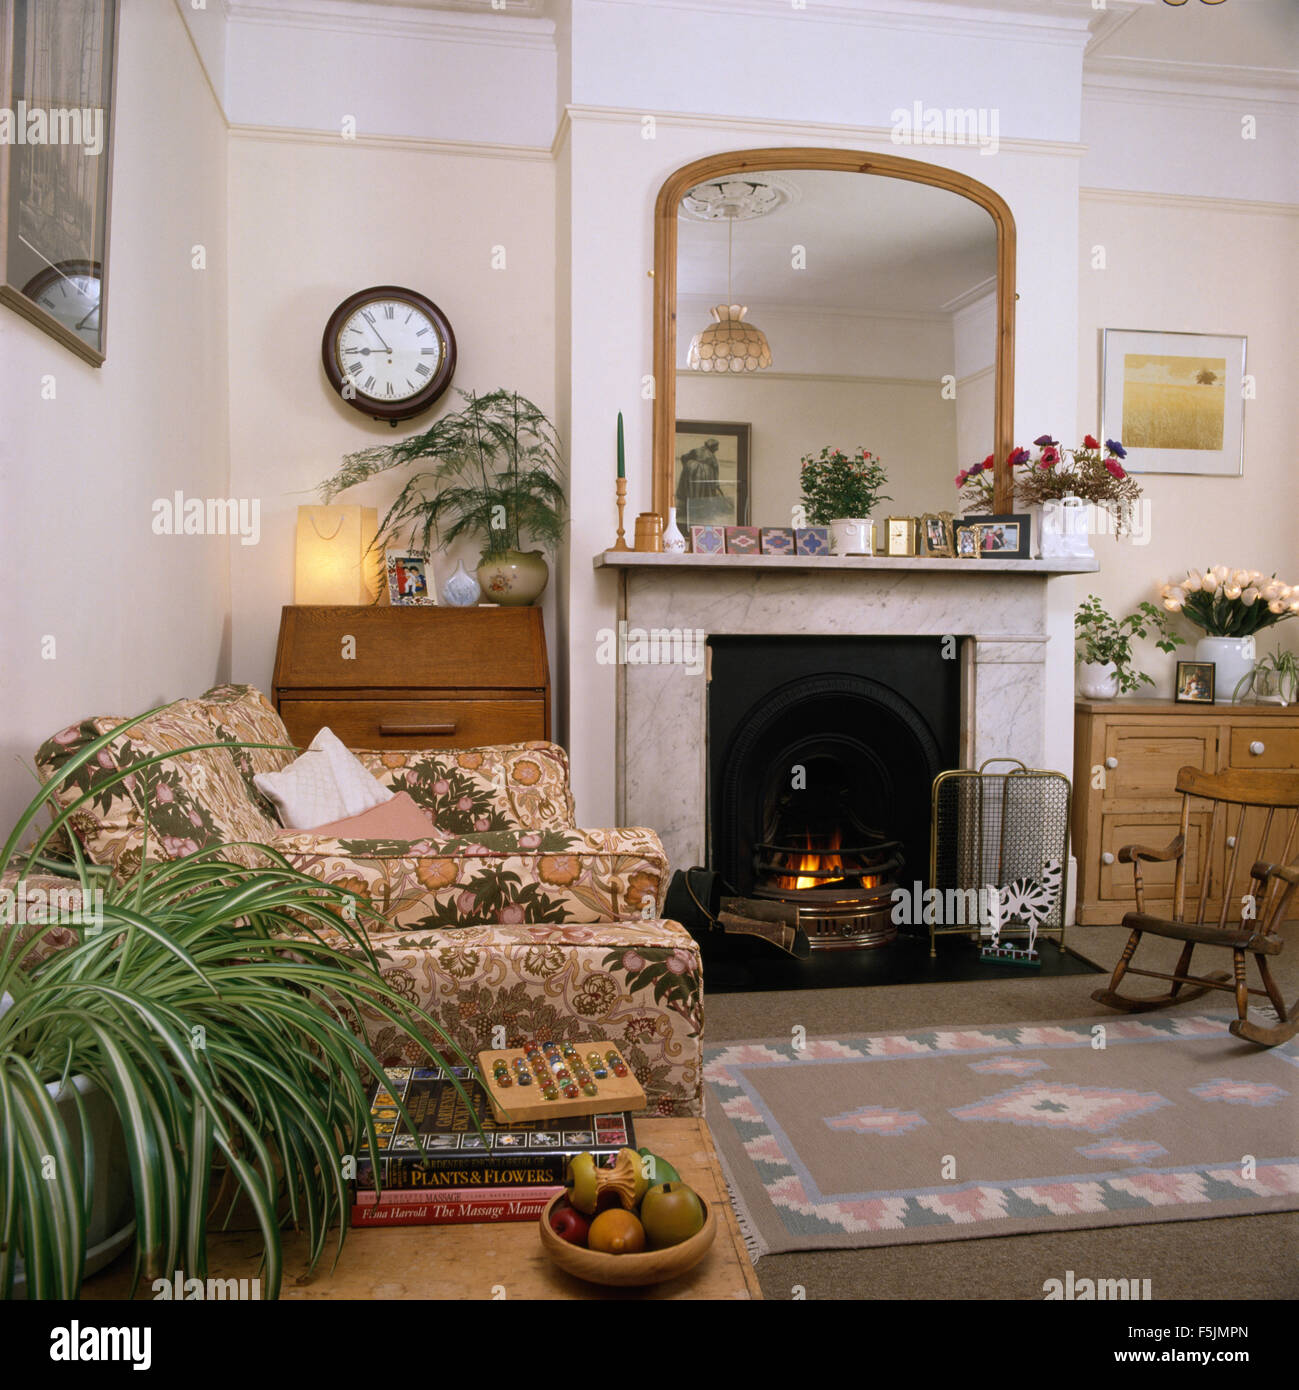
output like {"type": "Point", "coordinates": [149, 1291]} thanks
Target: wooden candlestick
{"type": "Point", "coordinates": [621, 542]}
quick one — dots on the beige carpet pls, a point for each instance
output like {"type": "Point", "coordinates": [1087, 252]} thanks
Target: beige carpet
{"type": "Point", "coordinates": [1238, 1257]}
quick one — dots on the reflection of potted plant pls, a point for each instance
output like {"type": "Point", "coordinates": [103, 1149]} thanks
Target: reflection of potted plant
{"type": "Point", "coordinates": [1230, 606]}
{"type": "Point", "coordinates": [1105, 657]}
{"type": "Point", "coordinates": [840, 491]}
{"type": "Point", "coordinates": [180, 1028]}
{"type": "Point", "coordinates": [1274, 679]}
{"type": "Point", "coordinates": [494, 467]}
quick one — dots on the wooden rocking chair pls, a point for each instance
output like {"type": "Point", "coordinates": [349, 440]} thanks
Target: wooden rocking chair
{"type": "Point", "coordinates": [1266, 822]}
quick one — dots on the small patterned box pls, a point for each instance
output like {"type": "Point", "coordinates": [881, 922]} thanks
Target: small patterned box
{"type": "Point", "coordinates": [708, 540]}
{"type": "Point", "coordinates": [742, 540]}
{"type": "Point", "coordinates": [812, 540]}
{"type": "Point", "coordinates": [777, 540]}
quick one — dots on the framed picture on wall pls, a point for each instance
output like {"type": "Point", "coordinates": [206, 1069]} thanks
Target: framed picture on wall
{"type": "Point", "coordinates": [711, 473]}
{"type": "Point", "coordinates": [1175, 401]}
{"type": "Point", "coordinates": [58, 63]}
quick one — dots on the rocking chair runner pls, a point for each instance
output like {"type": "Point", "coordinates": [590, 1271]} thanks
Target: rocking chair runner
{"type": "Point", "coordinates": [1264, 807]}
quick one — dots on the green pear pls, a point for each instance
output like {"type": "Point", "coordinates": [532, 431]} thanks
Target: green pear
{"type": "Point", "coordinates": [671, 1212]}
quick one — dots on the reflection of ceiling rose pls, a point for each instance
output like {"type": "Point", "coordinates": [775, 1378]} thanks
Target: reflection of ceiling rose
{"type": "Point", "coordinates": [738, 198]}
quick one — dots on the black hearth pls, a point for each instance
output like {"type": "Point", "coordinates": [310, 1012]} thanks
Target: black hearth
{"type": "Point", "coordinates": [821, 755]}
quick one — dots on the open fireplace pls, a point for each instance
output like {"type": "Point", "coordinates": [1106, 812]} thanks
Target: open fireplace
{"type": "Point", "coordinates": [821, 755]}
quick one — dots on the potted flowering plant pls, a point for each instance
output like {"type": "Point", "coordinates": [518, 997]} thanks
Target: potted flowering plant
{"type": "Point", "coordinates": [840, 491]}
{"type": "Point", "coordinates": [1230, 606]}
{"type": "Point", "coordinates": [1059, 480]}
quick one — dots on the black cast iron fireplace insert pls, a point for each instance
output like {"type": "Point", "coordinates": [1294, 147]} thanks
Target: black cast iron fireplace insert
{"type": "Point", "coordinates": [821, 755]}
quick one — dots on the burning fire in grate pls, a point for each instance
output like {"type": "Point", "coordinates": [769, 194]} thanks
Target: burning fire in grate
{"type": "Point", "coordinates": [843, 893]}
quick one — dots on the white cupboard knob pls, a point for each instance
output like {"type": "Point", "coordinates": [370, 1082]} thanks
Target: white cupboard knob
{"type": "Point", "coordinates": [1111, 763]}
{"type": "Point", "coordinates": [1107, 858]}
{"type": "Point", "coordinates": [1256, 747]}
{"type": "Point", "coordinates": [1231, 842]}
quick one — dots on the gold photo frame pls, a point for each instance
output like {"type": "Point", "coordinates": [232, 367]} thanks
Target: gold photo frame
{"type": "Point", "coordinates": [936, 537]}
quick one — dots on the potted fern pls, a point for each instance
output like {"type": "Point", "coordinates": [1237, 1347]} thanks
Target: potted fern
{"type": "Point", "coordinates": [178, 1031]}
{"type": "Point", "coordinates": [493, 471]}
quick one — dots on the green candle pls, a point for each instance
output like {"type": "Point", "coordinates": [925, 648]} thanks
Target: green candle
{"type": "Point", "coordinates": [622, 464]}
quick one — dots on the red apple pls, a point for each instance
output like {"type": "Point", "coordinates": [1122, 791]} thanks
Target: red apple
{"type": "Point", "coordinates": [569, 1224]}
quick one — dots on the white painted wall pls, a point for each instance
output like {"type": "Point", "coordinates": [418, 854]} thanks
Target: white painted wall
{"type": "Point", "coordinates": [314, 219]}
{"type": "Point", "coordinates": [136, 618]}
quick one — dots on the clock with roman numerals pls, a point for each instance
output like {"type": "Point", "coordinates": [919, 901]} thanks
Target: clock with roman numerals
{"type": "Point", "coordinates": [389, 352]}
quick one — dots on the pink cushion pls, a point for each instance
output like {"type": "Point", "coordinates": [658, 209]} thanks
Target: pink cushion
{"type": "Point", "coordinates": [398, 818]}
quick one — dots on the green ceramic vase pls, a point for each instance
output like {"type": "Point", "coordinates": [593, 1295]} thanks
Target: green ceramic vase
{"type": "Point", "coordinates": [515, 578]}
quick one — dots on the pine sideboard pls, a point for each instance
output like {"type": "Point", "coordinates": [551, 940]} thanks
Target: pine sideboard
{"type": "Point", "coordinates": [413, 677]}
{"type": "Point", "coordinates": [1127, 754]}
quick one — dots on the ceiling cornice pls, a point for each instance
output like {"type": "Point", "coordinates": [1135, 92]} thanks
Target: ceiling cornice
{"type": "Point", "coordinates": [400, 22]}
{"type": "Point", "coordinates": [1161, 81]}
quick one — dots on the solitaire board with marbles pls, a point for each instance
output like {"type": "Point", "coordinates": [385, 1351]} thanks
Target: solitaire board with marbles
{"type": "Point", "coordinates": [549, 1080]}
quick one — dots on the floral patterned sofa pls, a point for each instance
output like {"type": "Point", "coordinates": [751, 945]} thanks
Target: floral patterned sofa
{"type": "Point", "coordinates": [507, 914]}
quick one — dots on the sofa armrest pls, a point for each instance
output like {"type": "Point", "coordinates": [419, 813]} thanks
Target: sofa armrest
{"type": "Point", "coordinates": [531, 876]}
{"type": "Point", "coordinates": [505, 786]}
{"type": "Point", "coordinates": [637, 984]}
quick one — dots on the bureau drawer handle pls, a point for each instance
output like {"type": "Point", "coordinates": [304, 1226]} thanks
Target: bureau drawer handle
{"type": "Point", "coordinates": [1111, 763]}
{"type": "Point", "coordinates": [1231, 842]}
{"type": "Point", "coordinates": [1257, 748]}
{"type": "Point", "coordinates": [1107, 858]}
{"type": "Point", "coordinates": [414, 730]}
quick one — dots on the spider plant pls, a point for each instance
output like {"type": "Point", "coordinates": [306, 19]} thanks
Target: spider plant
{"type": "Point", "coordinates": [212, 1005]}
{"type": "Point", "coordinates": [494, 473]}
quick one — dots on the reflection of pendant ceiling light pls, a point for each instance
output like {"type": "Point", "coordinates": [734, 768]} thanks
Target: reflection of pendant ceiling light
{"type": "Point", "coordinates": [728, 344]}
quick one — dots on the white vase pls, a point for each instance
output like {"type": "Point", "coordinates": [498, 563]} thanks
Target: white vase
{"type": "Point", "coordinates": [1233, 659]}
{"type": "Point", "coordinates": [673, 541]}
{"type": "Point", "coordinates": [1065, 529]}
{"type": "Point", "coordinates": [1098, 680]}
{"type": "Point", "coordinates": [461, 589]}
{"type": "Point", "coordinates": [852, 535]}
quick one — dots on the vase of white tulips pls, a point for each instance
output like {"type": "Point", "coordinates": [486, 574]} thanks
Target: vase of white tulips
{"type": "Point", "coordinates": [1230, 606]}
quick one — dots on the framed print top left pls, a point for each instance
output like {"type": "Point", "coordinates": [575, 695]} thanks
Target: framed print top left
{"type": "Point", "coordinates": [58, 62]}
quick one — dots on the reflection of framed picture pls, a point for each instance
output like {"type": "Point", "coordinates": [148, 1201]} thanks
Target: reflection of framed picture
{"type": "Point", "coordinates": [936, 534]}
{"type": "Point", "coordinates": [408, 580]}
{"type": "Point", "coordinates": [1194, 683]}
{"type": "Point", "coordinates": [1176, 401]}
{"type": "Point", "coordinates": [57, 68]}
{"type": "Point", "coordinates": [711, 473]}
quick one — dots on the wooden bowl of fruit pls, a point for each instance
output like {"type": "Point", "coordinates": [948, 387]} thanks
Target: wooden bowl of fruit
{"type": "Point", "coordinates": [606, 1231]}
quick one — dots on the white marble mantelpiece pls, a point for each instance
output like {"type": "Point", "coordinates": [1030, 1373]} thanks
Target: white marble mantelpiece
{"type": "Point", "coordinates": [996, 611]}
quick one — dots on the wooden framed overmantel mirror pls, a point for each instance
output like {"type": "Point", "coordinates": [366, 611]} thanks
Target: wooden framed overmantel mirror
{"type": "Point", "coordinates": [879, 313]}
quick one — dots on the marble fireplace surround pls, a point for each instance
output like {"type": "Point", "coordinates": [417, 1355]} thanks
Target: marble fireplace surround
{"type": "Point", "coordinates": [996, 610]}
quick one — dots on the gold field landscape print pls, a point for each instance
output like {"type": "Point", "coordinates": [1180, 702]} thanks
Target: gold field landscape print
{"type": "Point", "coordinates": [1173, 402]}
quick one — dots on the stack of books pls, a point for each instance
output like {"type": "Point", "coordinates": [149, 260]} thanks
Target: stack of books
{"type": "Point", "coordinates": [447, 1173]}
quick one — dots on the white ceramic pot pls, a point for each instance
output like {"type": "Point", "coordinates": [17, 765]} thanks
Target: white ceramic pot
{"type": "Point", "coordinates": [852, 535]}
{"type": "Point", "coordinates": [1233, 659]}
{"type": "Point", "coordinates": [1098, 680]}
{"type": "Point", "coordinates": [1066, 533]}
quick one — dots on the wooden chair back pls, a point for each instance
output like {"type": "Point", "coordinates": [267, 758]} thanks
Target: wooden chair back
{"type": "Point", "coordinates": [1254, 823]}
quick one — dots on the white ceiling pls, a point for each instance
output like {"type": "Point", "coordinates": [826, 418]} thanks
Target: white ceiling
{"type": "Point", "coordinates": [873, 244]}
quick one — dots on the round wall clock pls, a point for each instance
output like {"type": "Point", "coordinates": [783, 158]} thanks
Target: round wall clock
{"type": "Point", "coordinates": [71, 292]}
{"type": "Point", "coordinates": [389, 352]}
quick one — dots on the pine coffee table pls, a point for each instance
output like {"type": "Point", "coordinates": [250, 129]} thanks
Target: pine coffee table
{"type": "Point", "coordinates": [494, 1260]}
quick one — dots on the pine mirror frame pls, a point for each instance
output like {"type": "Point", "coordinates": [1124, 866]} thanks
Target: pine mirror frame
{"type": "Point", "coordinates": [666, 212]}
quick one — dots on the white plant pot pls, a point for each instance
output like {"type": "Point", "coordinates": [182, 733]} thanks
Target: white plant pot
{"type": "Point", "coordinates": [1233, 659]}
{"type": "Point", "coordinates": [852, 536]}
{"type": "Point", "coordinates": [1098, 680]}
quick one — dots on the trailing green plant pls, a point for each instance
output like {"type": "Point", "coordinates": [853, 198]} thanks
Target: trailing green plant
{"type": "Point", "coordinates": [836, 485]}
{"type": "Point", "coordinates": [1103, 639]}
{"type": "Point", "coordinates": [495, 470]}
{"type": "Point", "coordinates": [213, 1005]}
{"type": "Point", "coordinates": [1274, 676]}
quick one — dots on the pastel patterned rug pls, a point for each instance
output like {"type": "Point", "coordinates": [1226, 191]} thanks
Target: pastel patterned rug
{"type": "Point", "coordinates": [950, 1133]}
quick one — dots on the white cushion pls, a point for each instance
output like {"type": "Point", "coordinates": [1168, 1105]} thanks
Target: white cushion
{"type": "Point", "coordinates": [326, 783]}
